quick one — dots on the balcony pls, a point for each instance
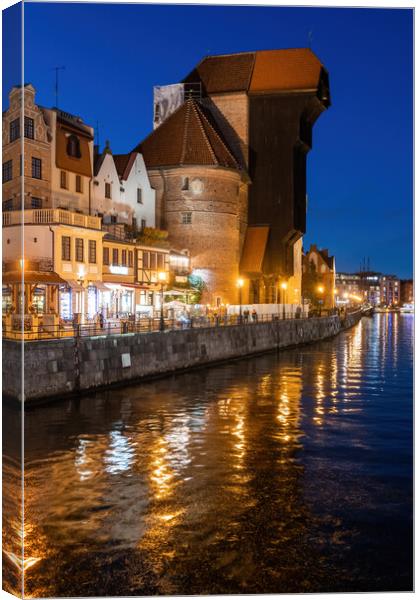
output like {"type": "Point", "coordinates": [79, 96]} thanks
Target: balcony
{"type": "Point", "coordinates": [50, 216]}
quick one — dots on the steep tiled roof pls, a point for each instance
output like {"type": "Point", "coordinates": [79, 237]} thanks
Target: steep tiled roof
{"type": "Point", "coordinates": [260, 71]}
{"type": "Point", "coordinates": [292, 69]}
{"type": "Point", "coordinates": [189, 136]}
{"type": "Point", "coordinates": [123, 164]}
{"type": "Point", "coordinates": [231, 72]}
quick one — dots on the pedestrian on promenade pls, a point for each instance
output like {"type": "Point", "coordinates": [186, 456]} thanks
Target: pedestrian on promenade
{"type": "Point", "coordinates": [254, 316]}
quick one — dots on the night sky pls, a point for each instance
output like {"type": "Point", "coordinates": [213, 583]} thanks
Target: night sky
{"type": "Point", "coordinates": [360, 169]}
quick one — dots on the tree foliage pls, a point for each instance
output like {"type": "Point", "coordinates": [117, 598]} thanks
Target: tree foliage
{"type": "Point", "coordinates": [149, 236]}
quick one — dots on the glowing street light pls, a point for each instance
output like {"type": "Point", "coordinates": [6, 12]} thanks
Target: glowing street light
{"type": "Point", "coordinates": [283, 286]}
{"type": "Point", "coordinates": [162, 279]}
{"type": "Point", "coordinates": [320, 289]}
{"type": "Point", "coordinates": [240, 284]}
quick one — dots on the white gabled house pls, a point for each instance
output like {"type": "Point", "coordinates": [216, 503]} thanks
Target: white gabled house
{"type": "Point", "coordinates": [121, 191]}
{"type": "Point", "coordinates": [136, 191]}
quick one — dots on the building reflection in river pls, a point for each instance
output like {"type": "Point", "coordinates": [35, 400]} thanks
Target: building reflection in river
{"type": "Point", "coordinates": [208, 482]}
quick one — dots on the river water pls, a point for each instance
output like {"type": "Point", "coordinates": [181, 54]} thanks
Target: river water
{"type": "Point", "coordinates": [287, 472]}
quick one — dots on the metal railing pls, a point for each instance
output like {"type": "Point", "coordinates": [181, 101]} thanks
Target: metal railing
{"type": "Point", "coordinates": [142, 325]}
{"type": "Point", "coordinates": [44, 216]}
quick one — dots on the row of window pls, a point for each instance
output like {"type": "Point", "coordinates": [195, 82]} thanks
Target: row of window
{"type": "Point", "coordinates": [64, 182]}
{"type": "Point", "coordinates": [126, 257]}
{"type": "Point", "coordinates": [8, 169]}
{"type": "Point", "coordinates": [108, 191]}
{"type": "Point", "coordinates": [10, 204]}
{"type": "Point", "coordinates": [79, 249]}
{"type": "Point", "coordinates": [153, 260]}
{"type": "Point", "coordinates": [28, 129]}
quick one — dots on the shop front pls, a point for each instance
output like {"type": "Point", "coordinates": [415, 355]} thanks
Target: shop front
{"type": "Point", "coordinates": [116, 300]}
{"type": "Point", "coordinates": [31, 298]}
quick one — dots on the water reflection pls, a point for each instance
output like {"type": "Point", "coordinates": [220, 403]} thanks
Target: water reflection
{"type": "Point", "coordinates": [283, 473]}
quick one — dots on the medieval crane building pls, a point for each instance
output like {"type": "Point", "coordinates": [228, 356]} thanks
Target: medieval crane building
{"type": "Point", "coordinates": [228, 163]}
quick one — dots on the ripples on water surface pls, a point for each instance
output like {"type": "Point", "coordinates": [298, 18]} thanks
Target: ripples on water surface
{"type": "Point", "coordinates": [282, 473]}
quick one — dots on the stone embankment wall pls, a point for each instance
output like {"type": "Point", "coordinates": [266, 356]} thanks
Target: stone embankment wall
{"type": "Point", "coordinates": [58, 367]}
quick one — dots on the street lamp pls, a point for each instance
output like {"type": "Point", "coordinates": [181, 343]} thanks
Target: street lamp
{"type": "Point", "coordinates": [321, 290]}
{"type": "Point", "coordinates": [240, 284]}
{"type": "Point", "coordinates": [283, 286]}
{"type": "Point", "coordinates": [162, 279]}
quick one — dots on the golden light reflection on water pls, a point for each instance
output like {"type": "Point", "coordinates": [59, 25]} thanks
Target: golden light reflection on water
{"type": "Point", "coordinates": [182, 473]}
{"type": "Point", "coordinates": [289, 406]}
{"type": "Point", "coordinates": [161, 474]}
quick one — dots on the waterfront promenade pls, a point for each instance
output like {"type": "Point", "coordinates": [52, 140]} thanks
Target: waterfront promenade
{"type": "Point", "coordinates": [56, 367]}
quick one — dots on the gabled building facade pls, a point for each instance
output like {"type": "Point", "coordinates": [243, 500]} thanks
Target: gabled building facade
{"type": "Point", "coordinates": [36, 162]}
{"type": "Point", "coordinates": [318, 276]}
{"type": "Point", "coordinates": [71, 160]}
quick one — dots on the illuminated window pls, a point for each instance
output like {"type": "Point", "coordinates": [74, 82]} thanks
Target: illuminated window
{"type": "Point", "coordinates": [79, 249]}
{"type": "Point", "coordinates": [92, 251]}
{"type": "Point", "coordinates": [105, 256]}
{"type": "Point", "coordinates": [65, 248]}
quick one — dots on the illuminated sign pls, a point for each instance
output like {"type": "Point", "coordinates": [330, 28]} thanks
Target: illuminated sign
{"type": "Point", "coordinates": [116, 270]}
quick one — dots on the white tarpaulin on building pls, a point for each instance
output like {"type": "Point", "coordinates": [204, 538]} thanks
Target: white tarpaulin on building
{"type": "Point", "coordinates": [166, 99]}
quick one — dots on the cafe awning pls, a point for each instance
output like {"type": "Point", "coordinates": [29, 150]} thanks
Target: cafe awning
{"type": "Point", "coordinates": [100, 286]}
{"type": "Point", "coordinates": [175, 292]}
{"type": "Point", "coordinates": [74, 285]}
{"type": "Point", "coordinates": [32, 277]}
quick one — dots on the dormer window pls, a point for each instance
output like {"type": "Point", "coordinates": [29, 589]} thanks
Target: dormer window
{"type": "Point", "coordinates": [73, 146]}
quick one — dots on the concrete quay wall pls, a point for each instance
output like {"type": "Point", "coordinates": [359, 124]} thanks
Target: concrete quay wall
{"type": "Point", "coordinates": [54, 368]}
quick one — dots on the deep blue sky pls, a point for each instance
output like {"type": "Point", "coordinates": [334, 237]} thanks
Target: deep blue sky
{"type": "Point", "coordinates": [360, 169]}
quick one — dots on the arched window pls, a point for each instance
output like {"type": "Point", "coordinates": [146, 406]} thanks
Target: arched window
{"type": "Point", "coordinates": [73, 146]}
